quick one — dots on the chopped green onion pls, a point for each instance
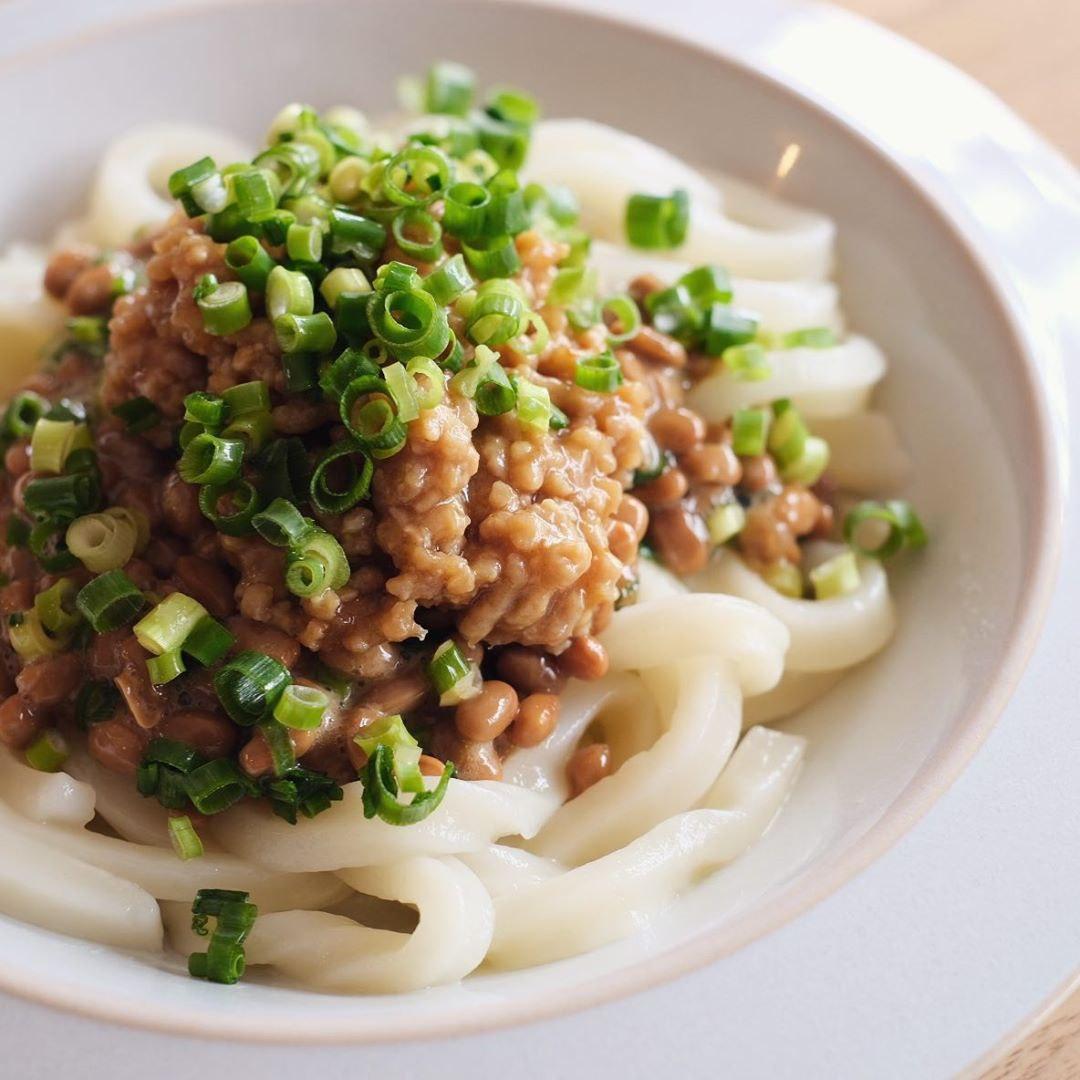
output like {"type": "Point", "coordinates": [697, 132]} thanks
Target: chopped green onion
{"type": "Point", "coordinates": [46, 544]}
{"type": "Point", "coordinates": [807, 469]}
{"type": "Point", "coordinates": [371, 416]}
{"type": "Point", "coordinates": [788, 436]}
{"type": "Point", "coordinates": [166, 667]}
{"type": "Point", "coordinates": [50, 444]}
{"type": "Point", "coordinates": [249, 686]}
{"type": "Point", "coordinates": [750, 431]}
{"type": "Point", "coordinates": [622, 312]}
{"type": "Point", "coordinates": [61, 498]}
{"type": "Point", "coordinates": [390, 731]}
{"type": "Point", "coordinates": [183, 182]}
{"type": "Point", "coordinates": [53, 607]}
{"type": "Point", "coordinates": [401, 390]}
{"type": "Point", "coordinates": [465, 206]}
{"type": "Point", "coordinates": [315, 563]}
{"type": "Point", "coordinates": [241, 503]}
{"type": "Point", "coordinates": [416, 174]}
{"type": "Point", "coordinates": [301, 707]}
{"type": "Point", "coordinates": [250, 261]}
{"type": "Point", "coordinates": [409, 323]}
{"type": "Point", "coordinates": [417, 234]}
{"type": "Point", "coordinates": [785, 577]}
{"type": "Point", "coordinates": [216, 786]}
{"type": "Point", "coordinates": [748, 363]}
{"type": "Point", "coordinates": [301, 790]}
{"type": "Point", "coordinates": [300, 375]}
{"type": "Point", "coordinates": [495, 394]}
{"type": "Point", "coordinates": [724, 522]}
{"type": "Point", "coordinates": [138, 414]}
{"type": "Point", "coordinates": [184, 839]}
{"type": "Point", "coordinates": [210, 459]}
{"type": "Point", "coordinates": [225, 309]}
{"type": "Point", "coordinates": [904, 528]}
{"type": "Point", "coordinates": [657, 221]}
{"type": "Point", "coordinates": [449, 88]}
{"type": "Point", "coordinates": [428, 383]}
{"type": "Point", "coordinates": [330, 497]}
{"type": "Point", "coordinates": [304, 243]}
{"type": "Point", "coordinates": [601, 373]}
{"type": "Point", "coordinates": [281, 524]}
{"type": "Point", "coordinates": [381, 788]}
{"type": "Point", "coordinates": [48, 752]}
{"type": "Point", "coordinates": [455, 678]}
{"type": "Point", "coordinates": [507, 143]}
{"type": "Point", "coordinates": [346, 179]}
{"type": "Point", "coordinates": [397, 276]}
{"type": "Point", "coordinates": [838, 576]}
{"type": "Point", "coordinates": [288, 292]}
{"type": "Point", "coordinates": [725, 327]}
{"type": "Point", "coordinates": [208, 642]}
{"type": "Point", "coordinates": [23, 412]}
{"type": "Point", "coordinates": [203, 408]}
{"type": "Point", "coordinates": [356, 235]}
{"type": "Point", "coordinates": [252, 429]}
{"type": "Point", "coordinates": [249, 397]}
{"type": "Point", "coordinates": [257, 192]}
{"type": "Point", "coordinates": [168, 625]}
{"type": "Point", "coordinates": [30, 639]}
{"type": "Point", "coordinates": [305, 333]}
{"type": "Point", "coordinates": [493, 258]}
{"type": "Point", "coordinates": [109, 601]}
{"type": "Point", "coordinates": [343, 280]}
{"type": "Point", "coordinates": [448, 281]}
{"type": "Point", "coordinates": [534, 406]}
{"type": "Point", "coordinates": [497, 315]}
{"type": "Point", "coordinates": [282, 755]}
{"type": "Point", "coordinates": [813, 337]}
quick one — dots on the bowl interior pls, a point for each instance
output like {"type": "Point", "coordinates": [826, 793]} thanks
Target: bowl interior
{"type": "Point", "coordinates": [958, 388]}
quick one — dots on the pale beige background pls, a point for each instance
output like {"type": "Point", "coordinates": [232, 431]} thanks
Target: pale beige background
{"type": "Point", "coordinates": [1028, 52]}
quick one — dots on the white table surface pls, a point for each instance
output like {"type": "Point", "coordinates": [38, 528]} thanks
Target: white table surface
{"type": "Point", "coordinates": [958, 934]}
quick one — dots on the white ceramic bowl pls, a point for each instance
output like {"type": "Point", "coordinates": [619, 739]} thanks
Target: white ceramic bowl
{"type": "Point", "coordinates": [963, 389]}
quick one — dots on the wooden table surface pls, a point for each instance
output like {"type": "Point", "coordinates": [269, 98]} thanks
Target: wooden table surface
{"type": "Point", "coordinates": [1028, 53]}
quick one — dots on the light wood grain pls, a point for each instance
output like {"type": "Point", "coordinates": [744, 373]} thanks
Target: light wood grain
{"type": "Point", "coordinates": [1027, 52]}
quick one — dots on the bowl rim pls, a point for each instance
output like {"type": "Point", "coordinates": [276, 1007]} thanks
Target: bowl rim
{"type": "Point", "coordinates": [950, 757]}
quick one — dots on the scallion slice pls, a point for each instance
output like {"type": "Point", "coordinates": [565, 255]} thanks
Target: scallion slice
{"type": "Point", "coordinates": [249, 686]}
{"type": "Point", "coordinates": [184, 839]}
{"type": "Point", "coordinates": [750, 431]}
{"type": "Point", "coordinates": [166, 667]}
{"type": "Point", "coordinates": [455, 678]}
{"type": "Point", "coordinates": [288, 292]}
{"type": "Point", "coordinates": [838, 576]}
{"type": "Point", "coordinates": [381, 788]}
{"type": "Point", "coordinates": [812, 337]}
{"type": "Point", "coordinates": [301, 707]}
{"type": "Point", "coordinates": [110, 601]}
{"type": "Point", "coordinates": [225, 307]}
{"type": "Point", "coordinates": [230, 506]}
{"type": "Point", "coordinates": [724, 522]}
{"type": "Point", "coordinates": [897, 520]}
{"type": "Point", "coordinates": [657, 221]}
{"type": "Point", "coordinates": [48, 752]}
{"type": "Point", "coordinates": [250, 261]}
{"type": "Point", "coordinates": [305, 333]}
{"type": "Point", "coordinates": [208, 641]}
{"type": "Point", "coordinates": [600, 373]}
{"type": "Point", "coordinates": [50, 444]}
{"type": "Point", "coordinates": [342, 477]}
{"type": "Point", "coordinates": [748, 363]}
{"type": "Point", "coordinates": [211, 459]}
{"type": "Point", "coordinates": [168, 625]}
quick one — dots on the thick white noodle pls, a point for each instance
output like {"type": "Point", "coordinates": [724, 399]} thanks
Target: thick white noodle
{"type": "Point", "coordinates": [825, 634]}
{"type": "Point", "coordinates": [619, 894]}
{"type": "Point", "coordinates": [780, 306]}
{"type": "Point", "coordinates": [29, 318]}
{"type": "Point", "coordinates": [50, 889]}
{"type": "Point", "coordinates": [130, 191]}
{"type": "Point", "coordinates": [822, 382]}
{"type": "Point", "coordinates": [543, 768]}
{"type": "Point", "coordinates": [162, 874]}
{"type": "Point", "coordinates": [604, 166]}
{"type": "Point", "coordinates": [471, 816]}
{"type": "Point", "coordinates": [865, 452]}
{"type": "Point", "coordinates": [118, 802]}
{"type": "Point", "coordinates": [793, 692]}
{"type": "Point", "coordinates": [698, 655]}
{"type": "Point", "coordinates": [45, 798]}
{"type": "Point", "coordinates": [337, 954]}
